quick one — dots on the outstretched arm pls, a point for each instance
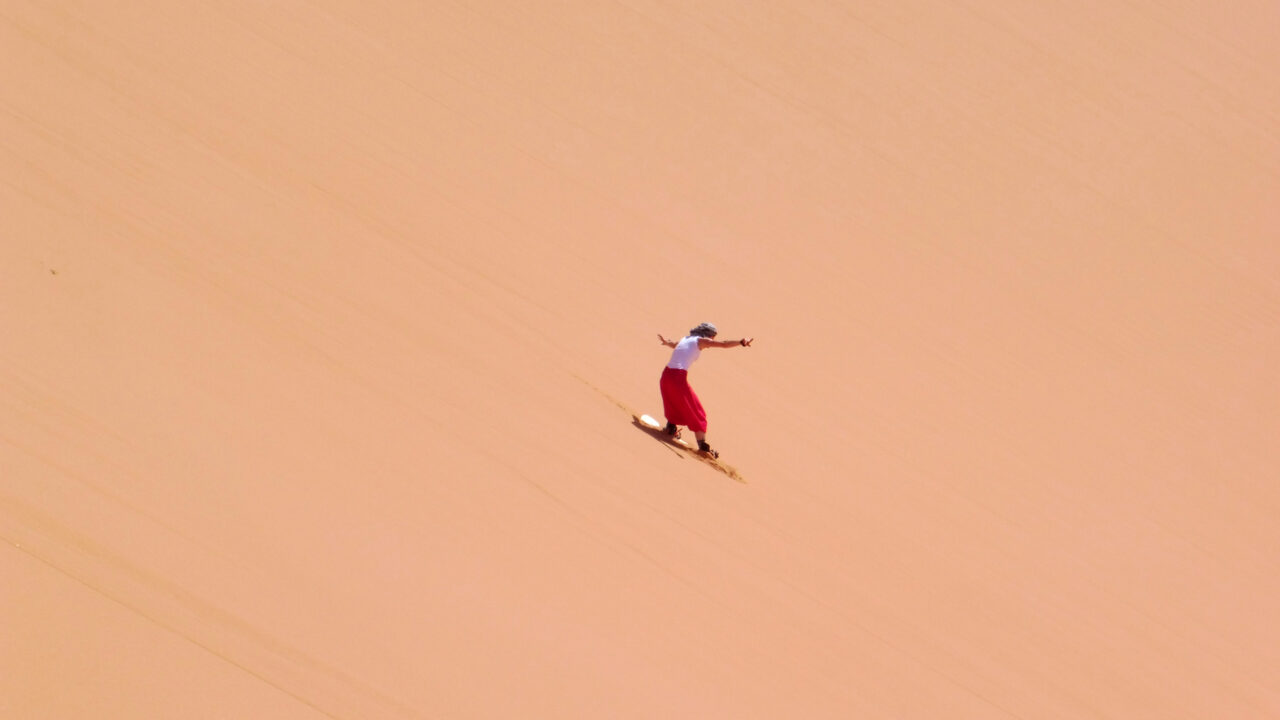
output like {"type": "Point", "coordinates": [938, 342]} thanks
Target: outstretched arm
{"type": "Point", "coordinates": [705, 343]}
{"type": "Point", "coordinates": [664, 341]}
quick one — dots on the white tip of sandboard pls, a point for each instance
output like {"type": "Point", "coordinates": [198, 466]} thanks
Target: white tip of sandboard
{"type": "Point", "coordinates": [649, 421]}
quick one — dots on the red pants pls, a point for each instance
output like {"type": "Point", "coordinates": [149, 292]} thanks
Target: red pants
{"type": "Point", "coordinates": [679, 403]}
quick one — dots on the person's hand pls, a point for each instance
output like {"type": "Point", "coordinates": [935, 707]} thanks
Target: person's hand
{"type": "Point", "coordinates": [663, 340]}
{"type": "Point", "coordinates": [745, 342]}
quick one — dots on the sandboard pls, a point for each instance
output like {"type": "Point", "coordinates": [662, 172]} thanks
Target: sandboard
{"type": "Point", "coordinates": [655, 428]}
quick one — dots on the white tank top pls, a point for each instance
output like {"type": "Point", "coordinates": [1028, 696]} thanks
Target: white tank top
{"type": "Point", "coordinates": [686, 352]}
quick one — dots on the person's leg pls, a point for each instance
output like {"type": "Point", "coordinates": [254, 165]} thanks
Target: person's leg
{"type": "Point", "coordinates": [682, 407]}
{"type": "Point", "coordinates": [704, 446]}
{"type": "Point", "coordinates": [698, 423]}
{"type": "Point", "coordinates": [673, 385]}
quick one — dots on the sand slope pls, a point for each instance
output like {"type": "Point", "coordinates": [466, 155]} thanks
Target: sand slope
{"type": "Point", "coordinates": [324, 324]}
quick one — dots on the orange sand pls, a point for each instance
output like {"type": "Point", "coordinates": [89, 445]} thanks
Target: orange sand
{"type": "Point", "coordinates": [322, 324]}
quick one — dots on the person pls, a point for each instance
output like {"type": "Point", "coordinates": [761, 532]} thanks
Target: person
{"type": "Point", "coordinates": [679, 403]}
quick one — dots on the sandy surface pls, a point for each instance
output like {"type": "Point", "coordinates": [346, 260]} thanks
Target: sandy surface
{"type": "Point", "coordinates": [322, 324]}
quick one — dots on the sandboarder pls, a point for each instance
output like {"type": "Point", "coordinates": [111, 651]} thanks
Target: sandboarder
{"type": "Point", "coordinates": [679, 403]}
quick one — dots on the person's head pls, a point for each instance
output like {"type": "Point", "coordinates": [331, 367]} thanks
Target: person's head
{"type": "Point", "coordinates": [706, 330]}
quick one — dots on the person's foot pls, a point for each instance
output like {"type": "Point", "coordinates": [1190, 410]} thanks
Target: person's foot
{"type": "Point", "coordinates": [703, 447]}
{"type": "Point", "coordinates": [672, 430]}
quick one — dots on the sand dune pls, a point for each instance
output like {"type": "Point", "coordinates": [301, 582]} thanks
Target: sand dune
{"type": "Point", "coordinates": [324, 324]}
